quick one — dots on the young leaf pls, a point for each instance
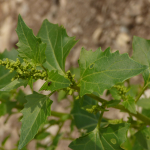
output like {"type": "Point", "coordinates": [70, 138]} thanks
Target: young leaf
{"type": "Point", "coordinates": [109, 138]}
{"type": "Point", "coordinates": [35, 112]}
{"type": "Point", "coordinates": [141, 54]}
{"type": "Point", "coordinates": [55, 82]}
{"type": "Point", "coordinates": [102, 70]}
{"type": "Point", "coordinates": [31, 48]}
{"type": "Point", "coordinates": [58, 43]}
{"type": "Point", "coordinates": [130, 105]}
{"type": "Point", "coordinates": [82, 118]}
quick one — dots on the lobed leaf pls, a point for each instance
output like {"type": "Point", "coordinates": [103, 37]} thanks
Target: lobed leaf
{"type": "Point", "coordinates": [102, 70]}
{"type": "Point", "coordinates": [141, 54]}
{"type": "Point", "coordinates": [109, 138]}
{"type": "Point", "coordinates": [58, 47]}
{"type": "Point", "coordinates": [31, 48]}
{"type": "Point", "coordinates": [35, 113]}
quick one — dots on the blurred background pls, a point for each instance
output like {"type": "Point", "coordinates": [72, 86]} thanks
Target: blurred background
{"type": "Point", "coordinates": [97, 23]}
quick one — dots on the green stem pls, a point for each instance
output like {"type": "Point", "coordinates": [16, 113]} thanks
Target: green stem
{"type": "Point", "coordinates": [140, 94]}
{"type": "Point", "coordinates": [59, 114]}
{"type": "Point", "coordinates": [120, 107]}
{"type": "Point", "coordinates": [100, 119]}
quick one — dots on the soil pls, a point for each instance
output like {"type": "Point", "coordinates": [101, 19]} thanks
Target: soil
{"type": "Point", "coordinates": [97, 23]}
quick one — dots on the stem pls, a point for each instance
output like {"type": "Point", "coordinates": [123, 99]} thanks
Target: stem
{"type": "Point", "coordinates": [44, 68]}
{"type": "Point", "coordinates": [120, 107]}
{"type": "Point", "coordinates": [100, 119]}
{"type": "Point", "coordinates": [59, 114]}
{"type": "Point", "coordinates": [142, 91]}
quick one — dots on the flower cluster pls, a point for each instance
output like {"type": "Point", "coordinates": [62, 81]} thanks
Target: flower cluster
{"type": "Point", "coordinates": [122, 91]}
{"type": "Point", "coordinates": [24, 70]}
{"type": "Point", "coordinates": [94, 109]}
{"type": "Point", "coordinates": [73, 83]}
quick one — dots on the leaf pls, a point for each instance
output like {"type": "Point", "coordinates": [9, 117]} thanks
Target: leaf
{"type": "Point", "coordinates": [141, 54]}
{"type": "Point", "coordinates": [35, 112]}
{"type": "Point", "coordinates": [21, 97]}
{"type": "Point", "coordinates": [5, 140]}
{"type": "Point", "coordinates": [58, 47]}
{"type": "Point", "coordinates": [109, 138]}
{"type": "Point", "coordinates": [112, 103]}
{"type": "Point", "coordinates": [144, 102]}
{"type": "Point", "coordinates": [42, 135]}
{"type": "Point", "coordinates": [82, 118]}
{"type": "Point", "coordinates": [54, 144]}
{"type": "Point", "coordinates": [5, 75]}
{"type": "Point", "coordinates": [115, 94]}
{"type": "Point", "coordinates": [14, 85]}
{"type": "Point", "coordinates": [146, 112]}
{"type": "Point", "coordinates": [3, 109]}
{"type": "Point", "coordinates": [31, 48]}
{"type": "Point", "coordinates": [102, 70]}
{"type": "Point", "coordinates": [62, 95]}
{"type": "Point", "coordinates": [55, 82]}
{"type": "Point", "coordinates": [143, 137]}
{"type": "Point", "coordinates": [130, 104]}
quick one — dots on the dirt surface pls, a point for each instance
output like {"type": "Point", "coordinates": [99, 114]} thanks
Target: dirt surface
{"type": "Point", "coordinates": [97, 23]}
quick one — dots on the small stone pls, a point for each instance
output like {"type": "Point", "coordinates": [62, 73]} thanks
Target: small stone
{"type": "Point", "coordinates": [139, 20]}
{"type": "Point", "coordinates": [96, 35]}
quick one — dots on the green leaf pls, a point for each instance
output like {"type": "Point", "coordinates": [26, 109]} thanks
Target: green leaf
{"type": "Point", "coordinates": [35, 113]}
{"type": "Point", "coordinates": [14, 85]}
{"type": "Point", "coordinates": [54, 144]}
{"type": "Point", "coordinates": [141, 54]}
{"type": "Point", "coordinates": [21, 97]}
{"type": "Point", "coordinates": [109, 138]}
{"type": "Point", "coordinates": [102, 70]}
{"type": "Point", "coordinates": [5, 75]}
{"type": "Point", "coordinates": [55, 82]}
{"type": "Point", "coordinates": [130, 104]}
{"type": "Point", "coordinates": [58, 43]}
{"type": "Point", "coordinates": [115, 94]}
{"type": "Point", "coordinates": [31, 48]}
{"type": "Point", "coordinates": [113, 103]}
{"type": "Point", "coordinates": [5, 140]}
{"type": "Point", "coordinates": [82, 118]}
{"type": "Point", "coordinates": [146, 112]}
{"type": "Point", "coordinates": [144, 102]}
{"type": "Point", "coordinates": [143, 137]}
{"type": "Point", "coordinates": [61, 95]}
{"type": "Point", "coordinates": [42, 135]}
{"type": "Point", "coordinates": [3, 109]}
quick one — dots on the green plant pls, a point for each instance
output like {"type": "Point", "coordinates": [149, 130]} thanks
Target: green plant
{"type": "Point", "coordinates": [43, 57]}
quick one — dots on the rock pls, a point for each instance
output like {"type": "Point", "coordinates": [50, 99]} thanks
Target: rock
{"type": "Point", "coordinates": [122, 39]}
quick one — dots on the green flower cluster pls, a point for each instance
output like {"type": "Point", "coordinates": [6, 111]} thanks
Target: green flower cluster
{"type": "Point", "coordinates": [69, 76]}
{"type": "Point", "coordinates": [95, 109]}
{"type": "Point", "coordinates": [24, 70]}
{"type": "Point", "coordinates": [122, 91]}
{"type": "Point", "coordinates": [116, 121]}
